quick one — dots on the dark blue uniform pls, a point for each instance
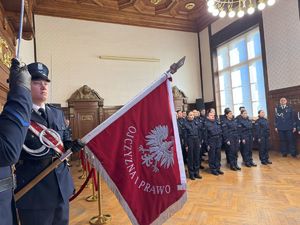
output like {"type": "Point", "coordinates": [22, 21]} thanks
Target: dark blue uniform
{"type": "Point", "coordinates": [224, 145]}
{"type": "Point", "coordinates": [203, 145]}
{"type": "Point", "coordinates": [214, 141]}
{"type": "Point", "coordinates": [246, 134]}
{"type": "Point", "coordinates": [285, 123]}
{"type": "Point", "coordinates": [232, 141]}
{"type": "Point", "coordinates": [200, 122]}
{"type": "Point", "coordinates": [262, 135]}
{"type": "Point", "coordinates": [48, 202]}
{"type": "Point", "coordinates": [14, 122]}
{"type": "Point", "coordinates": [192, 136]}
{"type": "Point", "coordinates": [298, 122]}
{"type": "Point", "coordinates": [180, 124]}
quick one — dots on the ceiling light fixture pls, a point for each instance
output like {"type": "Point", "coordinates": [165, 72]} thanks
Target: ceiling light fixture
{"type": "Point", "coordinates": [237, 8]}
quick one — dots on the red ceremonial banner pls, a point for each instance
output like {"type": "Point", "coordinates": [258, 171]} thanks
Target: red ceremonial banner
{"type": "Point", "coordinates": [137, 151]}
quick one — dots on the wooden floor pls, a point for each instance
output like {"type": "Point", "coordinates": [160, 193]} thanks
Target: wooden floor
{"type": "Point", "coordinates": [266, 195]}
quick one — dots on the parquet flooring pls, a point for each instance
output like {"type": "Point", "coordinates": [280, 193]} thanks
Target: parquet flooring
{"type": "Point", "coordinates": [263, 195]}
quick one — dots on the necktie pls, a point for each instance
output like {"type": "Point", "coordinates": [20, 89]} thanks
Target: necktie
{"type": "Point", "coordinates": [43, 113]}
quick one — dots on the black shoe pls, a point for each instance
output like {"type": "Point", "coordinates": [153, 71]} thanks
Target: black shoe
{"type": "Point", "coordinates": [202, 167]}
{"type": "Point", "coordinates": [237, 167]}
{"type": "Point", "coordinates": [284, 155]}
{"type": "Point", "coordinates": [198, 176]}
{"type": "Point", "coordinates": [264, 163]}
{"type": "Point", "coordinates": [220, 172]}
{"type": "Point", "coordinates": [233, 168]}
{"type": "Point", "coordinates": [269, 162]}
{"type": "Point", "coordinates": [248, 164]}
{"type": "Point", "coordinates": [294, 156]}
{"type": "Point", "coordinates": [253, 164]}
{"type": "Point", "coordinates": [215, 173]}
{"type": "Point", "coordinates": [192, 177]}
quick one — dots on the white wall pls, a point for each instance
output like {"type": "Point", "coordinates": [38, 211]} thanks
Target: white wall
{"type": "Point", "coordinates": [282, 42]}
{"type": "Point", "coordinates": [27, 51]}
{"type": "Point", "coordinates": [206, 71]}
{"type": "Point", "coordinates": [71, 49]}
{"type": "Point", "coordinates": [221, 24]}
{"type": "Point", "coordinates": [282, 36]}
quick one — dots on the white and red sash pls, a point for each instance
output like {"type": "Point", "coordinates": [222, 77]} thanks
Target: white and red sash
{"type": "Point", "coordinates": [48, 137]}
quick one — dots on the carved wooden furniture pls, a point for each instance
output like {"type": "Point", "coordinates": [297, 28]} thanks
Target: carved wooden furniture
{"type": "Point", "coordinates": [85, 111]}
{"type": "Point", "coordinates": [180, 99]}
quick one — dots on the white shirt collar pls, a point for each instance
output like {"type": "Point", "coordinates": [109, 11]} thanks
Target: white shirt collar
{"type": "Point", "coordinates": [36, 107]}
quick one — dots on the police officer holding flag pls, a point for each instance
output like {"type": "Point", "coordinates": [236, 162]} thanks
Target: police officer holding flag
{"type": "Point", "coordinates": [47, 203]}
{"type": "Point", "coordinates": [14, 121]}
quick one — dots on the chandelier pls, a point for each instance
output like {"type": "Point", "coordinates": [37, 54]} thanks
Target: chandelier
{"type": "Point", "coordinates": [237, 8]}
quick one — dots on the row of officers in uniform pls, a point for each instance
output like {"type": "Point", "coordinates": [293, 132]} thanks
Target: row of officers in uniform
{"type": "Point", "coordinates": [202, 132]}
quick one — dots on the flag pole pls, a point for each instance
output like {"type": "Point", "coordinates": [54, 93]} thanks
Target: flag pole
{"type": "Point", "coordinates": [84, 170]}
{"type": "Point", "coordinates": [20, 29]}
{"type": "Point", "coordinates": [43, 174]}
{"type": "Point", "coordinates": [93, 197]}
{"type": "Point", "coordinates": [101, 218]}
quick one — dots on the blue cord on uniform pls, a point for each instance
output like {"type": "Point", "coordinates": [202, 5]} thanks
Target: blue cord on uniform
{"type": "Point", "coordinates": [17, 115]}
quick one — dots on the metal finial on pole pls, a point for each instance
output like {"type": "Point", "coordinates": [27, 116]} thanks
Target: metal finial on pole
{"type": "Point", "coordinates": [175, 66]}
{"type": "Point", "coordinates": [20, 29]}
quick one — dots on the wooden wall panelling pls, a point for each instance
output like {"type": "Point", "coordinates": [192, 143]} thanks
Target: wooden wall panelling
{"type": "Point", "coordinates": [66, 112]}
{"type": "Point", "coordinates": [84, 116]}
{"type": "Point", "coordinates": [109, 110]}
{"type": "Point", "coordinates": [86, 119]}
{"type": "Point", "coordinates": [12, 13]}
{"type": "Point", "coordinates": [293, 96]}
{"type": "Point", "coordinates": [7, 49]}
{"type": "Point", "coordinates": [9, 26]}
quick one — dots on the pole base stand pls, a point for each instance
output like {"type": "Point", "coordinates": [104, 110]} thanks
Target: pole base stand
{"type": "Point", "coordinates": [101, 219]}
{"type": "Point", "coordinates": [91, 198]}
{"type": "Point", "coordinates": [82, 177]}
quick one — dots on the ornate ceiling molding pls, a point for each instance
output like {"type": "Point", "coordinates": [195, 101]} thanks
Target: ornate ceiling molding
{"type": "Point", "coordinates": [164, 14]}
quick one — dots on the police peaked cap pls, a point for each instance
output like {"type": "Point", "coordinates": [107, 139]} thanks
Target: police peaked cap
{"type": "Point", "coordinates": [38, 71]}
{"type": "Point", "coordinates": [227, 110]}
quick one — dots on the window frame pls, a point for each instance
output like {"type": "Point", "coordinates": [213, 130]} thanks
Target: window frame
{"type": "Point", "coordinates": [227, 34]}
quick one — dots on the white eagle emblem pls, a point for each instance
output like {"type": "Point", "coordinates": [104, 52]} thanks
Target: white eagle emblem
{"type": "Point", "coordinates": [160, 150]}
